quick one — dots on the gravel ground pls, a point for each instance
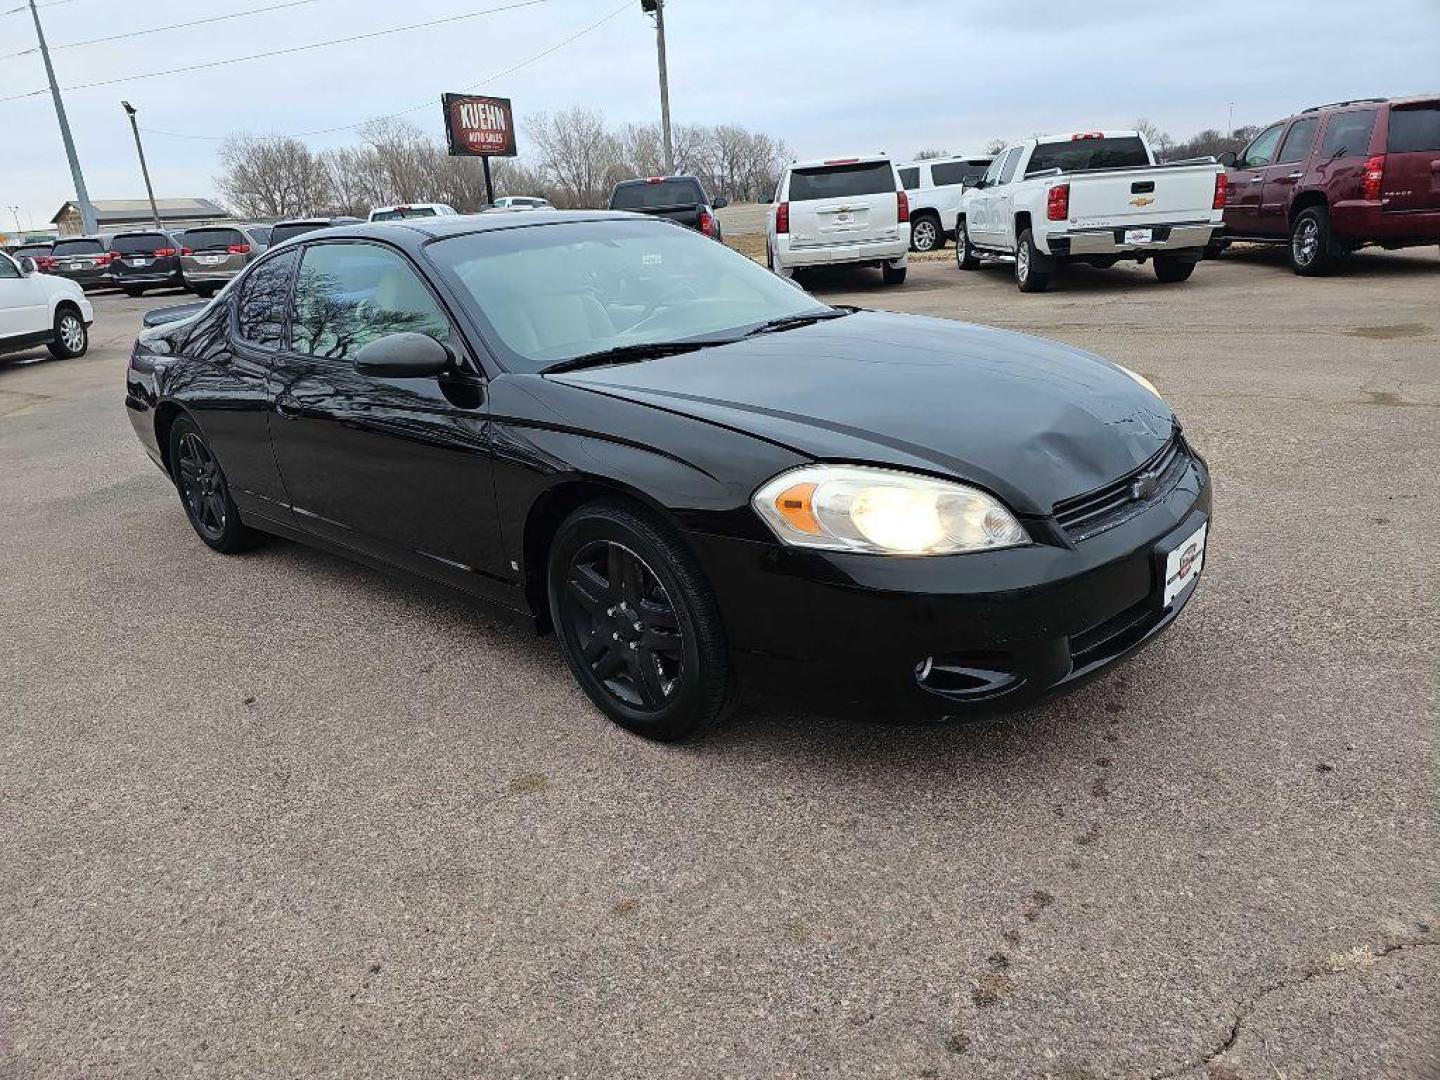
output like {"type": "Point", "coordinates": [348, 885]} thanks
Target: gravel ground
{"type": "Point", "coordinates": [278, 815]}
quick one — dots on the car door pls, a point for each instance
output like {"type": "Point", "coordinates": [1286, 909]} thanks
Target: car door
{"type": "Point", "coordinates": [977, 217]}
{"type": "Point", "coordinates": [1284, 174]}
{"type": "Point", "coordinates": [227, 385]}
{"type": "Point", "coordinates": [24, 305]}
{"type": "Point", "coordinates": [1002, 201]}
{"type": "Point", "coordinates": [397, 468]}
{"type": "Point", "coordinates": [1246, 178]}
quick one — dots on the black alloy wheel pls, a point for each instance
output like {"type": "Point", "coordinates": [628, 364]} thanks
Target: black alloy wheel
{"type": "Point", "coordinates": [638, 625]}
{"type": "Point", "coordinates": [203, 490]}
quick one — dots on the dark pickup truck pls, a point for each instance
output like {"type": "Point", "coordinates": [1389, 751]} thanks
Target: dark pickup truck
{"type": "Point", "coordinates": [680, 198]}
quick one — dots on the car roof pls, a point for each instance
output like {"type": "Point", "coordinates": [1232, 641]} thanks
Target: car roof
{"type": "Point", "coordinates": [945, 160]}
{"type": "Point", "coordinates": [846, 159]}
{"type": "Point", "coordinates": [439, 228]}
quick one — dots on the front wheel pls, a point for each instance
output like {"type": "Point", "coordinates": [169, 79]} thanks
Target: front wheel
{"type": "Point", "coordinates": [71, 338]}
{"type": "Point", "coordinates": [1028, 275]}
{"type": "Point", "coordinates": [1313, 250]}
{"type": "Point", "coordinates": [637, 622]}
{"type": "Point", "coordinates": [965, 257]}
{"type": "Point", "coordinates": [925, 234]}
{"type": "Point", "coordinates": [204, 492]}
{"type": "Point", "coordinates": [1170, 269]}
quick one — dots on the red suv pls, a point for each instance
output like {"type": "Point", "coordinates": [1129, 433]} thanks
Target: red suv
{"type": "Point", "coordinates": [1338, 177]}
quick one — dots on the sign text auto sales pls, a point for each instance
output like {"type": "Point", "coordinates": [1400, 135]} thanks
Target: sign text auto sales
{"type": "Point", "coordinates": [479, 126]}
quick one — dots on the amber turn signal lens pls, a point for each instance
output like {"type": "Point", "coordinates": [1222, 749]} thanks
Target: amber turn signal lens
{"type": "Point", "coordinates": [795, 506]}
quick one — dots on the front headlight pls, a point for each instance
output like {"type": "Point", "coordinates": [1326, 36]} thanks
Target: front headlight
{"type": "Point", "coordinates": [882, 512]}
{"type": "Point", "coordinates": [1146, 383]}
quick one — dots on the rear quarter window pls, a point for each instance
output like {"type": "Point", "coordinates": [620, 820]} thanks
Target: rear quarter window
{"type": "Point", "coordinates": [957, 172]}
{"type": "Point", "coordinates": [841, 181]}
{"type": "Point", "coordinates": [1414, 130]}
{"type": "Point", "coordinates": [909, 178]}
{"type": "Point", "coordinates": [1347, 135]}
{"type": "Point", "coordinates": [1080, 155]}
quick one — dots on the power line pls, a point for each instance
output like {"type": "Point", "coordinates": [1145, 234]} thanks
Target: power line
{"type": "Point", "coordinates": [290, 51]}
{"type": "Point", "coordinates": [162, 29]}
{"type": "Point", "coordinates": [26, 7]}
{"type": "Point", "coordinates": [424, 104]}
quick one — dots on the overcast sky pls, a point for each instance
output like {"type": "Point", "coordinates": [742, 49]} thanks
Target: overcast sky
{"type": "Point", "coordinates": [828, 76]}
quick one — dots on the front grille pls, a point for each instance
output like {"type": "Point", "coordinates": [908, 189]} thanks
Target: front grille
{"type": "Point", "coordinates": [1087, 515]}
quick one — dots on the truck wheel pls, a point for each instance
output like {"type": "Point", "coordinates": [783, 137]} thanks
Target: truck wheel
{"type": "Point", "coordinates": [892, 274]}
{"type": "Point", "coordinates": [965, 257]}
{"type": "Point", "coordinates": [774, 267]}
{"type": "Point", "coordinates": [1171, 269]}
{"type": "Point", "coordinates": [1313, 250]}
{"type": "Point", "coordinates": [925, 234]}
{"type": "Point", "coordinates": [1028, 276]}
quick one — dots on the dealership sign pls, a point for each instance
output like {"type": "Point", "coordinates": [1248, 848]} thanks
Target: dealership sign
{"type": "Point", "coordinates": [479, 126]}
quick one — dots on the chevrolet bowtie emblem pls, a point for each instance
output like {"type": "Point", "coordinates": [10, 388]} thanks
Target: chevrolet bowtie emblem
{"type": "Point", "coordinates": [1143, 200]}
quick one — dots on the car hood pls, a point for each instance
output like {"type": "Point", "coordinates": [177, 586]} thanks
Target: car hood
{"type": "Point", "coordinates": [1034, 421]}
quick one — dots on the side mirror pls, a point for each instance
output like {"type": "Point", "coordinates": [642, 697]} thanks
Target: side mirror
{"type": "Point", "coordinates": [1227, 158]}
{"type": "Point", "coordinates": [403, 356]}
{"type": "Point", "coordinates": [27, 265]}
{"type": "Point", "coordinates": [720, 202]}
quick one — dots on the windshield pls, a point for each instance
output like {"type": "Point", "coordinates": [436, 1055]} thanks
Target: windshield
{"type": "Point", "coordinates": [554, 292]}
{"type": "Point", "coordinates": [651, 195]}
{"type": "Point", "coordinates": [1079, 155]}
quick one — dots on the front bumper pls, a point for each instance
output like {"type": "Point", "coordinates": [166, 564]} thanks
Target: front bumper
{"type": "Point", "coordinates": [1001, 630]}
{"type": "Point", "coordinates": [794, 256]}
{"type": "Point", "coordinates": [1111, 240]}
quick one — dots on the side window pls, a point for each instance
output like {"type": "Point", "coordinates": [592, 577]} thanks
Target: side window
{"type": "Point", "coordinates": [348, 295]}
{"type": "Point", "coordinates": [1262, 148]}
{"type": "Point", "coordinates": [910, 178]}
{"type": "Point", "coordinates": [1012, 160]}
{"type": "Point", "coordinates": [260, 309]}
{"type": "Point", "coordinates": [992, 174]}
{"type": "Point", "coordinates": [1347, 135]}
{"type": "Point", "coordinates": [1298, 142]}
{"type": "Point", "coordinates": [7, 268]}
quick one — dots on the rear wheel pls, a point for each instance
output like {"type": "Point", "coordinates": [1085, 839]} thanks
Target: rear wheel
{"type": "Point", "coordinates": [965, 257]}
{"type": "Point", "coordinates": [925, 233]}
{"type": "Point", "coordinates": [204, 492]}
{"type": "Point", "coordinates": [1170, 269]}
{"type": "Point", "coordinates": [637, 622]}
{"type": "Point", "coordinates": [131, 290]}
{"type": "Point", "coordinates": [892, 274]}
{"type": "Point", "coordinates": [70, 337]}
{"type": "Point", "coordinates": [774, 267]}
{"type": "Point", "coordinates": [1313, 250]}
{"type": "Point", "coordinates": [205, 291]}
{"type": "Point", "coordinates": [1028, 275]}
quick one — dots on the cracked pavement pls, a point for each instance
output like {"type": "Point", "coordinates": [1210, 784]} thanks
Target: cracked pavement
{"type": "Point", "coordinates": [279, 815]}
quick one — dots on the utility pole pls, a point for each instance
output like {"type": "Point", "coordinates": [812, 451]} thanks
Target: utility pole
{"type": "Point", "coordinates": [87, 212]}
{"type": "Point", "coordinates": [1231, 131]}
{"type": "Point", "coordinates": [657, 8]}
{"type": "Point", "coordinates": [144, 169]}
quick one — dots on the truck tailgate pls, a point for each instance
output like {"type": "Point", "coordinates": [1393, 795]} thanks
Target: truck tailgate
{"type": "Point", "coordinates": [1160, 195]}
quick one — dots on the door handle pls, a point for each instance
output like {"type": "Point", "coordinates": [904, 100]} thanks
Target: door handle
{"type": "Point", "coordinates": [1257, 179]}
{"type": "Point", "coordinates": [1294, 176]}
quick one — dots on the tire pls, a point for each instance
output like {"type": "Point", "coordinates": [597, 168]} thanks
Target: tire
{"type": "Point", "coordinates": [71, 336]}
{"type": "Point", "coordinates": [613, 569]}
{"type": "Point", "coordinates": [205, 292]}
{"type": "Point", "coordinates": [926, 233]}
{"type": "Point", "coordinates": [204, 493]}
{"type": "Point", "coordinates": [1216, 249]}
{"type": "Point", "coordinates": [131, 291]}
{"type": "Point", "coordinates": [965, 257]}
{"type": "Point", "coordinates": [1312, 248]}
{"type": "Point", "coordinates": [1171, 270]}
{"type": "Point", "coordinates": [1027, 276]}
{"type": "Point", "coordinates": [891, 274]}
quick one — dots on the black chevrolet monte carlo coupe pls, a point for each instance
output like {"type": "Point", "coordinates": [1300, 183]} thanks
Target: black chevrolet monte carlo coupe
{"type": "Point", "coordinates": [703, 479]}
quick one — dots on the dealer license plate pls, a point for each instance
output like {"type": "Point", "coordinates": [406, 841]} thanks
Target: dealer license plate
{"type": "Point", "coordinates": [137, 262]}
{"type": "Point", "coordinates": [1182, 565]}
{"type": "Point", "coordinates": [1139, 236]}
{"type": "Point", "coordinates": [211, 260]}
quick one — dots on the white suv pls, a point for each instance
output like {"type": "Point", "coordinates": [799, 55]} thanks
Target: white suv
{"type": "Point", "coordinates": [935, 186]}
{"type": "Point", "coordinates": [42, 309]}
{"type": "Point", "coordinates": [839, 211]}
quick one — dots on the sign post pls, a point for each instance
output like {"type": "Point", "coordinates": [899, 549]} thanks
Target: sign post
{"type": "Point", "coordinates": [482, 127]}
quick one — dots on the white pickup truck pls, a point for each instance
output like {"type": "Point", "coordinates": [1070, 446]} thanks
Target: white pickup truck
{"type": "Point", "coordinates": [1095, 197]}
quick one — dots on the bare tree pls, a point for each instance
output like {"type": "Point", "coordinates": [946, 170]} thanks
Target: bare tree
{"type": "Point", "coordinates": [272, 177]}
{"type": "Point", "coordinates": [930, 154]}
{"type": "Point", "coordinates": [1159, 141]}
{"type": "Point", "coordinates": [576, 152]}
{"type": "Point", "coordinates": [994, 146]}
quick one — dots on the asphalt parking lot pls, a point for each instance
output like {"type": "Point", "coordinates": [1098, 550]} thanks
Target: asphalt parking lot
{"type": "Point", "coordinates": [278, 815]}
